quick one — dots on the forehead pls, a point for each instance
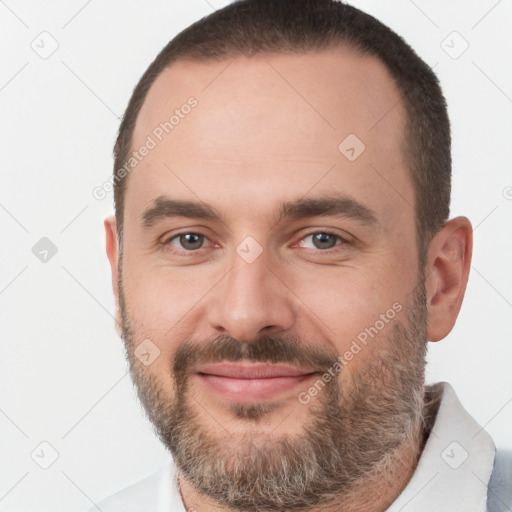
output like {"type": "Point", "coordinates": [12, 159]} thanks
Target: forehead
{"type": "Point", "coordinates": [276, 126]}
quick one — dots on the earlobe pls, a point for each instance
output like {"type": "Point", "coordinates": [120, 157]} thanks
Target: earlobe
{"type": "Point", "coordinates": [447, 272]}
{"type": "Point", "coordinates": [112, 250]}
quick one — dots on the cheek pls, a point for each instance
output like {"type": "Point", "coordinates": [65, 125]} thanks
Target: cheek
{"type": "Point", "coordinates": [158, 304]}
{"type": "Point", "coordinates": [160, 295]}
{"type": "Point", "coordinates": [349, 303]}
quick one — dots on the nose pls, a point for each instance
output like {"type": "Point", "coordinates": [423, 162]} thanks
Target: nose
{"type": "Point", "coordinates": [251, 300]}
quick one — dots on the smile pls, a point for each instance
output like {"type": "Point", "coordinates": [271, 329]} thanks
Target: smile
{"type": "Point", "coordinates": [251, 382]}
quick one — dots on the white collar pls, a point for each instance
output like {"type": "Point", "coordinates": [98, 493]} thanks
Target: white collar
{"type": "Point", "coordinates": [456, 464]}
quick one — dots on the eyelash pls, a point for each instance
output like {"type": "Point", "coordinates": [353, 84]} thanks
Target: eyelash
{"type": "Point", "coordinates": [343, 242]}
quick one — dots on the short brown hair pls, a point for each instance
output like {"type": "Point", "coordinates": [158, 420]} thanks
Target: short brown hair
{"type": "Point", "coordinates": [249, 27]}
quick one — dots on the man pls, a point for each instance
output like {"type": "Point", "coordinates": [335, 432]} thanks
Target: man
{"type": "Point", "coordinates": [281, 254]}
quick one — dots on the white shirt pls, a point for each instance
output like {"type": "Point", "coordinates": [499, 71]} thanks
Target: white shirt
{"type": "Point", "coordinates": [452, 474]}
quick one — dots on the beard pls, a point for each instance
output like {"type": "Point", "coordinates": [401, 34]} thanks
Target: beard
{"type": "Point", "coordinates": [351, 434]}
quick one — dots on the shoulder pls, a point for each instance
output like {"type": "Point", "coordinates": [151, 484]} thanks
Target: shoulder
{"type": "Point", "coordinates": [499, 493]}
{"type": "Point", "coordinates": [142, 495]}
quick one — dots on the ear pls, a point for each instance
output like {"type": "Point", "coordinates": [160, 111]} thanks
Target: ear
{"type": "Point", "coordinates": [113, 256]}
{"type": "Point", "coordinates": [446, 275]}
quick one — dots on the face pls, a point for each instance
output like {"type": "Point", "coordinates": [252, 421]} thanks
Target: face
{"type": "Point", "coordinates": [271, 300]}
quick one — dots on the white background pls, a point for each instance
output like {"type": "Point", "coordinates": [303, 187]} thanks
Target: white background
{"type": "Point", "coordinates": [64, 377]}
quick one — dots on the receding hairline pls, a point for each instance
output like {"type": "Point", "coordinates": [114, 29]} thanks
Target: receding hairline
{"type": "Point", "coordinates": [345, 51]}
{"type": "Point", "coordinates": [252, 27]}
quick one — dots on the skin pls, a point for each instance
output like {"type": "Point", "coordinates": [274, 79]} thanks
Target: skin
{"type": "Point", "coordinates": [267, 130]}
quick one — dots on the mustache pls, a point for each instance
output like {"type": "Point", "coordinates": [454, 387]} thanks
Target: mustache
{"type": "Point", "coordinates": [265, 349]}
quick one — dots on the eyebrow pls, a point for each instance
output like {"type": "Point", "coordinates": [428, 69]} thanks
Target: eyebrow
{"type": "Point", "coordinates": [331, 206]}
{"type": "Point", "coordinates": [336, 205]}
{"type": "Point", "coordinates": [165, 207]}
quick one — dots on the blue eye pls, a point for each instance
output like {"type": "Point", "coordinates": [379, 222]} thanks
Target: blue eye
{"type": "Point", "coordinates": [324, 240]}
{"type": "Point", "coordinates": [189, 241]}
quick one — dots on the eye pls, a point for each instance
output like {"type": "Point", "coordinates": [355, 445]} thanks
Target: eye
{"type": "Point", "coordinates": [324, 240]}
{"type": "Point", "coordinates": [188, 241]}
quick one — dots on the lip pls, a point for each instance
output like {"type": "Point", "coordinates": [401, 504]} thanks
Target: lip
{"type": "Point", "coordinates": [251, 382]}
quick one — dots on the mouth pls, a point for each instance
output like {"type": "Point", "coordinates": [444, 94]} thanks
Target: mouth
{"type": "Point", "coordinates": [252, 382]}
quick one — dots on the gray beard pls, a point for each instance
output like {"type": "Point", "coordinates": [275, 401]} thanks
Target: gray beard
{"type": "Point", "coordinates": [350, 434]}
